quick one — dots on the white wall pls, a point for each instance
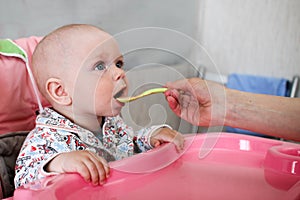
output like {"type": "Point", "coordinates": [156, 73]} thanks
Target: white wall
{"type": "Point", "coordinates": [19, 18]}
{"type": "Point", "coordinates": [30, 17]}
{"type": "Point", "coordinates": [260, 37]}
{"type": "Point", "coordinates": [249, 36]}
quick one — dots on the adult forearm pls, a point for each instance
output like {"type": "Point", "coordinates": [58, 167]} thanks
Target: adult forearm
{"type": "Point", "coordinates": [271, 115]}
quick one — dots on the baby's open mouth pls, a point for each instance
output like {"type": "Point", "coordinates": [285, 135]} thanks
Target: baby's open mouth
{"type": "Point", "coordinates": [120, 93]}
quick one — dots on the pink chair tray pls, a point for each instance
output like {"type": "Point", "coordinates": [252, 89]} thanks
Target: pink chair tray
{"type": "Point", "coordinates": [213, 166]}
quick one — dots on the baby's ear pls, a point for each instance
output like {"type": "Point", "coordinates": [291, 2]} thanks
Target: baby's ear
{"type": "Point", "coordinates": [57, 92]}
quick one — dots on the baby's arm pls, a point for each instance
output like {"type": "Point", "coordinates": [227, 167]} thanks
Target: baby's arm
{"type": "Point", "coordinates": [33, 154]}
{"type": "Point", "coordinates": [154, 136]}
{"type": "Point", "coordinates": [163, 135]}
{"type": "Point", "coordinates": [43, 150]}
{"type": "Point", "coordinates": [144, 139]}
{"type": "Point", "coordinates": [90, 166]}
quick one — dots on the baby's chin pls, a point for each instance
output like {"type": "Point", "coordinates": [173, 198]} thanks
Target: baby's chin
{"type": "Point", "coordinates": [114, 112]}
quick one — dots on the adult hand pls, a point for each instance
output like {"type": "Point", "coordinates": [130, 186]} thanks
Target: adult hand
{"type": "Point", "coordinates": [197, 101]}
{"type": "Point", "coordinates": [207, 103]}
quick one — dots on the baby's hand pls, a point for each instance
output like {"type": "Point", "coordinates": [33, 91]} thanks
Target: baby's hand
{"type": "Point", "coordinates": [164, 135]}
{"type": "Point", "coordinates": [90, 166]}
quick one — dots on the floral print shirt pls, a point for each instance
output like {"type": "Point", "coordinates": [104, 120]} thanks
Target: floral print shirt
{"type": "Point", "coordinates": [55, 134]}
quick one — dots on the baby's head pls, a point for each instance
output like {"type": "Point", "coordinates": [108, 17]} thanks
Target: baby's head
{"type": "Point", "coordinates": [78, 68]}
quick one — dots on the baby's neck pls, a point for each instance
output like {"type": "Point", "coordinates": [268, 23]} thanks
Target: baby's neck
{"type": "Point", "coordinates": [90, 122]}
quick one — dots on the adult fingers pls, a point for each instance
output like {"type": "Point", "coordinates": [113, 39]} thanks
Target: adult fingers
{"type": "Point", "coordinates": [179, 84]}
{"type": "Point", "coordinates": [173, 97]}
{"type": "Point", "coordinates": [174, 105]}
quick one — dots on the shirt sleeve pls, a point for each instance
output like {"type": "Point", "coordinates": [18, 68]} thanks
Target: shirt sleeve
{"type": "Point", "coordinates": [142, 138]}
{"type": "Point", "coordinates": [40, 146]}
{"type": "Point", "coordinates": [123, 141]}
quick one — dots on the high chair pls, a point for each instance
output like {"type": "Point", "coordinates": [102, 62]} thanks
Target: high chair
{"type": "Point", "coordinates": [19, 103]}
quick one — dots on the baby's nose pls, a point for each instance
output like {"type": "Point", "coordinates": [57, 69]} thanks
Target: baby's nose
{"type": "Point", "coordinates": [117, 73]}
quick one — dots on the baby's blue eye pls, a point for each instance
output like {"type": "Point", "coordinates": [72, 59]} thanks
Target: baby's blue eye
{"type": "Point", "coordinates": [100, 66]}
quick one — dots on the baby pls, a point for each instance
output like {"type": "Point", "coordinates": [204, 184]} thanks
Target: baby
{"type": "Point", "coordinates": [78, 68]}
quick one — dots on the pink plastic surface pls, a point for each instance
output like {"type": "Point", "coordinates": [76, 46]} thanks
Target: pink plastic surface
{"type": "Point", "coordinates": [235, 167]}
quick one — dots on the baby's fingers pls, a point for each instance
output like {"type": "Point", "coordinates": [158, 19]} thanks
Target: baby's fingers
{"type": "Point", "coordinates": [105, 170]}
{"type": "Point", "coordinates": [99, 169]}
{"type": "Point", "coordinates": [83, 170]}
{"type": "Point", "coordinates": [155, 142]}
{"type": "Point", "coordinates": [179, 142]}
{"type": "Point", "coordinates": [168, 135]}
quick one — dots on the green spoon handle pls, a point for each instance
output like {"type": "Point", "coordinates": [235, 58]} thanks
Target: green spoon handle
{"type": "Point", "coordinates": [145, 93]}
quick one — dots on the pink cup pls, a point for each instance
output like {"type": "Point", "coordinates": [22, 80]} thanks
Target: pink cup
{"type": "Point", "coordinates": [282, 166]}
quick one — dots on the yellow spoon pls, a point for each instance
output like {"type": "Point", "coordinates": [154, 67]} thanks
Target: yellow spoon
{"type": "Point", "coordinates": [147, 92]}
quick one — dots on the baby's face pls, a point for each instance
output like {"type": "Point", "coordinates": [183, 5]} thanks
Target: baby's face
{"type": "Point", "coordinates": [99, 78]}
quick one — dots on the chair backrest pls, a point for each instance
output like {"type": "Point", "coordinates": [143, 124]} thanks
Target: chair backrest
{"type": "Point", "coordinates": [18, 102]}
{"type": "Point", "coordinates": [10, 145]}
